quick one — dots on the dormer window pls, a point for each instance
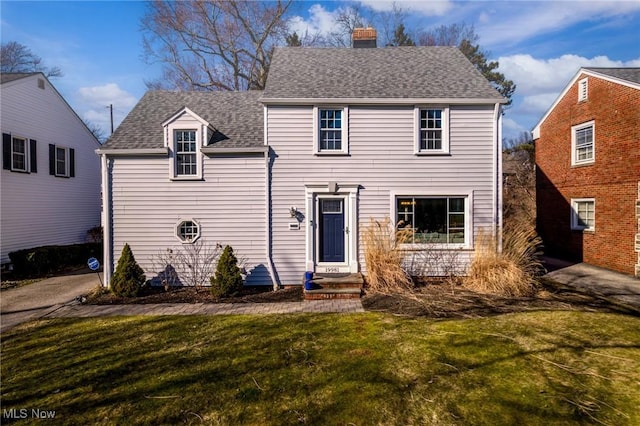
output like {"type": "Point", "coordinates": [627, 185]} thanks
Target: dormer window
{"type": "Point", "coordinates": [185, 134]}
{"type": "Point", "coordinates": [186, 149]}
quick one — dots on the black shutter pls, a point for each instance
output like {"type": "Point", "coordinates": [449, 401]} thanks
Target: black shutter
{"type": "Point", "coordinates": [6, 151]}
{"type": "Point", "coordinates": [72, 162]}
{"type": "Point", "coordinates": [52, 159]}
{"type": "Point", "coordinates": [34, 156]}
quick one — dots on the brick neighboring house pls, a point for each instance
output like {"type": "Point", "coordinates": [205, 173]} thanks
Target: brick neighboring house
{"type": "Point", "coordinates": [588, 170]}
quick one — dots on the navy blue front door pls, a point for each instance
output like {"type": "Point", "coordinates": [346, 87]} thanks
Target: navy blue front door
{"type": "Point", "coordinates": [331, 230]}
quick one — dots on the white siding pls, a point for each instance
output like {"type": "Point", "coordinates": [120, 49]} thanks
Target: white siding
{"type": "Point", "coordinates": [37, 208]}
{"type": "Point", "coordinates": [381, 159]}
{"type": "Point", "coordinates": [229, 205]}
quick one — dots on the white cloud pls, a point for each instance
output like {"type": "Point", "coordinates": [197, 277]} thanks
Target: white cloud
{"type": "Point", "coordinates": [540, 81]}
{"type": "Point", "coordinates": [95, 102]}
{"type": "Point", "coordinates": [321, 21]}
{"type": "Point", "coordinates": [109, 93]}
{"type": "Point", "coordinates": [538, 76]}
{"type": "Point", "coordinates": [428, 7]}
{"type": "Point", "coordinates": [528, 19]}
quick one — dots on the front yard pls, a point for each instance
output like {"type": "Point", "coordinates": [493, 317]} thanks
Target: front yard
{"type": "Point", "coordinates": [538, 367]}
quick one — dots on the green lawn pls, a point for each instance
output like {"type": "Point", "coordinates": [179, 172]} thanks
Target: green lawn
{"type": "Point", "coordinates": [538, 368]}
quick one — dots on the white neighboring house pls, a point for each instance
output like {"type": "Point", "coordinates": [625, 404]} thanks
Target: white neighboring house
{"type": "Point", "coordinates": [50, 174]}
{"type": "Point", "coordinates": [289, 176]}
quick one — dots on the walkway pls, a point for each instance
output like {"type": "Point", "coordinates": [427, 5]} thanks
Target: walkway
{"type": "Point", "coordinates": [602, 282]}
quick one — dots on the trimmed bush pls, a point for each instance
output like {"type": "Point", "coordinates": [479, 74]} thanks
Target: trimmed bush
{"type": "Point", "coordinates": [40, 261]}
{"type": "Point", "coordinates": [128, 277]}
{"type": "Point", "coordinates": [228, 279]}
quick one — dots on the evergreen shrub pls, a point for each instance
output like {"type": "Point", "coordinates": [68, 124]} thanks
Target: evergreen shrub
{"type": "Point", "coordinates": [228, 279]}
{"type": "Point", "coordinates": [128, 277]}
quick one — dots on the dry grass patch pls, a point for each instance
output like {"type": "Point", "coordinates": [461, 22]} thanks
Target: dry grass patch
{"type": "Point", "coordinates": [384, 258]}
{"type": "Point", "coordinates": [511, 272]}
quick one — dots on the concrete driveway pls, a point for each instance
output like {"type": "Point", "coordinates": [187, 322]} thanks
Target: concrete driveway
{"type": "Point", "coordinates": [602, 282]}
{"type": "Point", "coordinates": [18, 305]}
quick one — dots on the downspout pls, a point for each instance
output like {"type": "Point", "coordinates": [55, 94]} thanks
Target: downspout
{"type": "Point", "coordinates": [498, 177]}
{"type": "Point", "coordinates": [267, 205]}
{"type": "Point", "coordinates": [106, 220]}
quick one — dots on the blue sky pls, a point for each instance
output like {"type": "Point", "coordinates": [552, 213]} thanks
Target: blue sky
{"type": "Point", "coordinates": [540, 44]}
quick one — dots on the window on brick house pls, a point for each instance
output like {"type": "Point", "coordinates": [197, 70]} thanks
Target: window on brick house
{"type": "Point", "coordinates": [583, 214]}
{"type": "Point", "coordinates": [583, 143]}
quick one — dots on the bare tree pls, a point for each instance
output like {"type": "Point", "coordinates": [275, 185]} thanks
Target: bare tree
{"type": "Point", "coordinates": [448, 35]}
{"type": "Point", "coordinates": [191, 265]}
{"type": "Point", "coordinates": [96, 130]}
{"type": "Point", "coordinates": [213, 45]}
{"type": "Point", "coordinates": [16, 57]}
{"type": "Point", "coordinates": [347, 19]}
{"type": "Point", "coordinates": [519, 189]}
{"type": "Point", "coordinates": [388, 22]}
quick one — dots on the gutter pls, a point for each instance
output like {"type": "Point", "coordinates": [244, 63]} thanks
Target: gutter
{"type": "Point", "coordinates": [381, 101]}
{"type": "Point", "coordinates": [267, 205]}
{"type": "Point", "coordinates": [133, 152]}
{"type": "Point", "coordinates": [224, 151]}
{"type": "Point", "coordinates": [498, 177]}
{"type": "Point", "coordinates": [106, 221]}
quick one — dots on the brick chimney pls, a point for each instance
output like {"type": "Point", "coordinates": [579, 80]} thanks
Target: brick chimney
{"type": "Point", "coordinates": [364, 37]}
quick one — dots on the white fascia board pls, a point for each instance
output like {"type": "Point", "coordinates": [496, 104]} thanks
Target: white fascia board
{"type": "Point", "coordinates": [612, 79]}
{"type": "Point", "coordinates": [222, 151]}
{"type": "Point", "coordinates": [133, 152]}
{"type": "Point", "coordinates": [185, 110]}
{"type": "Point", "coordinates": [382, 101]}
{"type": "Point", "coordinates": [536, 130]}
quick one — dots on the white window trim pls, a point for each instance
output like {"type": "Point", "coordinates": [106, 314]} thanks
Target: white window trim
{"type": "Point", "coordinates": [445, 131]}
{"type": "Point", "coordinates": [27, 154]}
{"type": "Point", "coordinates": [583, 90]}
{"type": "Point", "coordinates": [350, 194]}
{"type": "Point", "coordinates": [202, 129]}
{"type": "Point", "coordinates": [468, 219]}
{"type": "Point", "coordinates": [177, 230]}
{"type": "Point", "coordinates": [574, 157]}
{"type": "Point", "coordinates": [575, 226]}
{"type": "Point", "coordinates": [316, 131]}
{"type": "Point", "coordinates": [67, 160]}
{"type": "Point", "coordinates": [201, 134]}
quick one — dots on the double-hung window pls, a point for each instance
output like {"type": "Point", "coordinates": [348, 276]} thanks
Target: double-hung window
{"type": "Point", "coordinates": [19, 154]}
{"type": "Point", "coordinates": [439, 220]}
{"type": "Point", "coordinates": [432, 135]}
{"type": "Point", "coordinates": [583, 143]}
{"type": "Point", "coordinates": [583, 214]}
{"type": "Point", "coordinates": [331, 131]}
{"type": "Point", "coordinates": [186, 148]}
{"type": "Point", "coordinates": [61, 161]}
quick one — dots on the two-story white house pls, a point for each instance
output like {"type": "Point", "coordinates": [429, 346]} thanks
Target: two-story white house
{"type": "Point", "coordinates": [289, 175]}
{"type": "Point", "coordinates": [50, 182]}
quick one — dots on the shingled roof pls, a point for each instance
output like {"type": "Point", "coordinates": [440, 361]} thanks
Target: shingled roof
{"type": "Point", "coordinates": [629, 74]}
{"type": "Point", "coordinates": [441, 73]}
{"type": "Point", "coordinates": [236, 116]}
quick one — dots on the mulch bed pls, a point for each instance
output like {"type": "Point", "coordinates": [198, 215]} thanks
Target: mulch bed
{"type": "Point", "coordinates": [431, 300]}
